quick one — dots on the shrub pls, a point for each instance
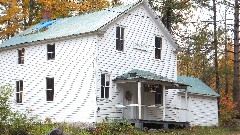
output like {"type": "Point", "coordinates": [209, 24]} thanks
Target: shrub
{"type": "Point", "coordinates": [115, 128]}
{"type": "Point", "coordinates": [227, 111]}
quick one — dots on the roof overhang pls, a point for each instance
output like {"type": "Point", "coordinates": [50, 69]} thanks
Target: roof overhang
{"type": "Point", "coordinates": [147, 77]}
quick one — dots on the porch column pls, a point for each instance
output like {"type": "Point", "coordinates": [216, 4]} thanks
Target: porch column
{"type": "Point", "coordinates": [139, 101]}
{"type": "Point", "coordinates": [186, 104]}
{"type": "Point", "coordinates": [163, 103]}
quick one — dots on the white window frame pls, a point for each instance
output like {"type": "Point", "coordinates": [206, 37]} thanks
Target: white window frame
{"type": "Point", "coordinates": [105, 86]}
{"type": "Point", "coordinates": [21, 56]}
{"type": "Point", "coordinates": [121, 38]}
{"type": "Point", "coordinates": [49, 89]}
{"type": "Point", "coordinates": [19, 91]}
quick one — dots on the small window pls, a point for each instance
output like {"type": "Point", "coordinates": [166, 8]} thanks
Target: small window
{"type": "Point", "coordinates": [158, 47]}
{"type": "Point", "coordinates": [50, 89]}
{"type": "Point", "coordinates": [51, 52]}
{"type": "Point", "coordinates": [21, 53]}
{"type": "Point", "coordinates": [105, 85]}
{"type": "Point", "coordinates": [119, 38]}
{"type": "Point", "coordinates": [159, 95]}
{"type": "Point", "coordinates": [19, 91]}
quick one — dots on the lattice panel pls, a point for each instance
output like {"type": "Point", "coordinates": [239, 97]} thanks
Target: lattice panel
{"type": "Point", "coordinates": [74, 74]}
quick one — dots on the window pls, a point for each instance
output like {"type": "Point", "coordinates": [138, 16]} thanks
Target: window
{"type": "Point", "coordinates": [21, 53]}
{"type": "Point", "coordinates": [119, 38]}
{"type": "Point", "coordinates": [51, 52]}
{"type": "Point", "coordinates": [105, 85]}
{"type": "Point", "coordinates": [19, 91]}
{"type": "Point", "coordinates": [158, 47]}
{"type": "Point", "coordinates": [50, 89]}
{"type": "Point", "coordinates": [159, 95]}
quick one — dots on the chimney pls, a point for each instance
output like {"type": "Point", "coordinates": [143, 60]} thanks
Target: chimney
{"type": "Point", "coordinates": [46, 15]}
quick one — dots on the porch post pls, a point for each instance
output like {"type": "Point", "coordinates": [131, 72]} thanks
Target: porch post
{"type": "Point", "coordinates": [139, 101]}
{"type": "Point", "coordinates": [186, 105]}
{"type": "Point", "coordinates": [163, 103]}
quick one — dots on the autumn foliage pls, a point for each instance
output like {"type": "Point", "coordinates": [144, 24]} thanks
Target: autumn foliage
{"type": "Point", "coordinates": [227, 111]}
{"type": "Point", "coordinates": [16, 16]}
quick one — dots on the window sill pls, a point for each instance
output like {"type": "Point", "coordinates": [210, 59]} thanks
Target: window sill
{"type": "Point", "coordinates": [50, 101]}
{"type": "Point", "coordinates": [19, 103]}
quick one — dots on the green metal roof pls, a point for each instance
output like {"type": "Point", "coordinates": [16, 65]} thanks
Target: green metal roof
{"type": "Point", "coordinates": [197, 86]}
{"type": "Point", "coordinates": [63, 27]}
{"type": "Point", "coordinates": [136, 74]}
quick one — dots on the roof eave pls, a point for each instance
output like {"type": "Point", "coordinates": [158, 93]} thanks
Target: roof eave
{"type": "Point", "coordinates": [44, 41]}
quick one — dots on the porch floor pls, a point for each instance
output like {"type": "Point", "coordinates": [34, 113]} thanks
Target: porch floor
{"type": "Point", "coordinates": [158, 124]}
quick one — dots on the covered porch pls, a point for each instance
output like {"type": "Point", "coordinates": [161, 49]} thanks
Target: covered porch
{"type": "Point", "coordinates": [144, 95]}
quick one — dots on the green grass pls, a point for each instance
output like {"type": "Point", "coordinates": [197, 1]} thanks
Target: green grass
{"type": "Point", "coordinates": [200, 131]}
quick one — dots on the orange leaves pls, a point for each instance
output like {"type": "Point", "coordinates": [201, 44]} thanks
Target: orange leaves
{"type": "Point", "coordinates": [227, 110]}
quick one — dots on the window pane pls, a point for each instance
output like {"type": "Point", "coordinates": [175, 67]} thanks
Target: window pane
{"type": "Point", "coordinates": [102, 91]}
{"type": "Point", "coordinates": [107, 80]}
{"type": "Point", "coordinates": [106, 92]}
{"type": "Point", "coordinates": [157, 53]}
{"type": "Point", "coordinates": [158, 98]}
{"type": "Point", "coordinates": [17, 86]}
{"type": "Point", "coordinates": [118, 32]}
{"type": "Point", "coordinates": [122, 33]}
{"type": "Point", "coordinates": [21, 85]}
{"type": "Point", "coordinates": [17, 98]}
{"type": "Point", "coordinates": [102, 79]}
{"type": "Point", "coordinates": [50, 94]}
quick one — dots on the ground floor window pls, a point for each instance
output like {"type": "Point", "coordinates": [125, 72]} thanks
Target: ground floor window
{"type": "Point", "coordinates": [105, 85]}
{"type": "Point", "coordinates": [19, 91]}
{"type": "Point", "coordinates": [50, 89]}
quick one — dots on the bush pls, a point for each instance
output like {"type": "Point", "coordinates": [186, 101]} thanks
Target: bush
{"type": "Point", "coordinates": [115, 128]}
{"type": "Point", "coordinates": [227, 111]}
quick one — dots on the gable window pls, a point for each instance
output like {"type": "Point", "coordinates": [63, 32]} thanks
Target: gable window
{"type": "Point", "coordinates": [105, 85]}
{"type": "Point", "coordinates": [50, 89]}
{"type": "Point", "coordinates": [158, 47]}
{"type": "Point", "coordinates": [51, 52]}
{"type": "Point", "coordinates": [21, 53]}
{"type": "Point", "coordinates": [119, 38]}
{"type": "Point", "coordinates": [19, 91]}
{"type": "Point", "coordinates": [159, 95]}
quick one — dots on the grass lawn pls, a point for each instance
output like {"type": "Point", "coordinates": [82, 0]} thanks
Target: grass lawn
{"type": "Point", "coordinates": [200, 131]}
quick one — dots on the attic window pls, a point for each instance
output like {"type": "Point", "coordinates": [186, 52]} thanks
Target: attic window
{"type": "Point", "coordinates": [21, 53]}
{"type": "Point", "coordinates": [50, 89]}
{"type": "Point", "coordinates": [158, 47]}
{"type": "Point", "coordinates": [133, 74]}
{"type": "Point", "coordinates": [51, 51]}
{"type": "Point", "coordinates": [19, 91]}
{"type": "Point", "coordinates": [119, 38]}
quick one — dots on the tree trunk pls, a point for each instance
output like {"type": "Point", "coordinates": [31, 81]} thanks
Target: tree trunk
{"type": "Point", "coordinates": [236, 56]}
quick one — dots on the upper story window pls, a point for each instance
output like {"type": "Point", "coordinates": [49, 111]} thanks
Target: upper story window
{"type": "Point", "coordinates": [119, 38]}
{"type": "Point", "coordinates": [21, 53]}
{"type": "Point", "coordinates": [50, 89]}
{"type": "Point", "coordinates": [19, 91]}
{"type": "Point", "coordinates": [158, 47]}
{"type": "Point", "coordinates": [51, 52]}
{"type": "Point", "coordinates": [105, 85]}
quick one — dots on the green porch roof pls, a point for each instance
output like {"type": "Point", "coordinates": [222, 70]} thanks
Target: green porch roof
{"type": "Point", "coordinates": [136, 74]}
{"type": "Point", "coordinates": [197, 86]}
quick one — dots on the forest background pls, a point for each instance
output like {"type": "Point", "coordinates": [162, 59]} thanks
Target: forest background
{"type": "Point", "coordinates": [202, 28]}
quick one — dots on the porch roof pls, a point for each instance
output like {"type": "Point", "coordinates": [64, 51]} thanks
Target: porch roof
{"type": "Point", "coordinates": [197, 86]}
{"type": "Point", "coordinates": [136, 75]}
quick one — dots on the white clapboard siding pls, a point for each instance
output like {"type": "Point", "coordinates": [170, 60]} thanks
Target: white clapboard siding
{"type": "Point", "coordinates": [74, 79]}
{"type": "Point", "coordinates": [202, 110]}
{"type": "Point", "coordinates": [139, 28]}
